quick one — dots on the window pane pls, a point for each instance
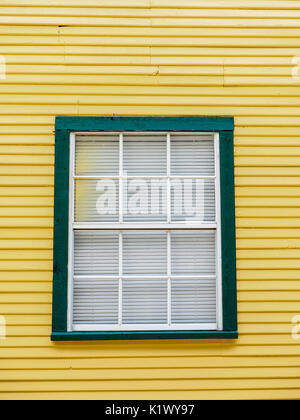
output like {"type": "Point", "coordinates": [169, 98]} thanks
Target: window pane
{"type": "Point", "coordinates": [145, 155]}
{"type": "Point", "coordinates": [97, 155]}
{"type": "Point", "coordinates": [193, 301]}
{"type": "Point", "coordinates": [97, 200]}
{"type": "Point", "coordinates": [145, 200]}
{"type": "Point", "coordinates": [144, 253]}
{"type": "Point", "coordinates": [145, 301]}
{"type": "Point", "coordinates": [191, 155]}
{"type": "Point", "coordinates": [95, 301]}
{"type": "Point", "coordinates": [96, 253]}
{"type": "Point", "coordinates": [193, 200]}
{"type": "Point", "coordinates": [193, 253]}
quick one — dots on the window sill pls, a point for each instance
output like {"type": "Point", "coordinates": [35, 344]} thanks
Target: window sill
{"type": "Point", "coordinates": [142, 335]}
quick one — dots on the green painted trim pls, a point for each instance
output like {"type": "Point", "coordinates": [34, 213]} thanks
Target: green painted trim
{"type": "Point", "coordinates": [228, 231]}
{"type": "Point", "coordinates": [143, 335]}
{"type": "Point", "coordinates": [118, 124]}
{"type": "Point", "coordinates": [61, 232]}
{"type": "Point", "coordinates": [66, 125]}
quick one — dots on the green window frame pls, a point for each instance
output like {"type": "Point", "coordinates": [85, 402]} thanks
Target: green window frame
{"type": "Point", "coordinates": [66, 125]}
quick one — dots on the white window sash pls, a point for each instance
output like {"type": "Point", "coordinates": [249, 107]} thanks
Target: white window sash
{"type": "Point", "coordinates": [122, 226]}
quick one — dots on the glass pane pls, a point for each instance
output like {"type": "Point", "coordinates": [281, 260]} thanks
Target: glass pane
{"type": "Point", "coordinates": [145, 301]}
{"type": "Point", "coordinates": [145, 155]}
{"type": "Point", "coordinates": [193, 200]}
{"type": "Point", "coordinates": [144, 253]}
{"type": "Point", "coordinates": [145, 200]}
{"type": "Point", "coordinates": [192, 155]}
{"type": "Point", "coordinates": [193, 301]}
{"type": "Point", "coordinates": [96, 253]}
{"type": "Point", "coordinates": [95, 301]}
{"type": "Point", "coordinates": [97, 200]}
{"type": "Point", "coordinates": [193, 253]}
{"type": "Point", "coordinates": [97, 155]}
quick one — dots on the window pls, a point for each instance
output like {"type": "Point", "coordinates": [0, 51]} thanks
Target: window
{"type": "Point", "coordinates": [144, 228]}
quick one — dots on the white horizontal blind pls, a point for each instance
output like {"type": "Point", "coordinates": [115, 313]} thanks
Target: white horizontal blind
{"type": "Point", "coordinates": [145, 301]}
{"type": "Point", "coordinates": [145, 155]}
{"type": "Point", "coordinates": [124, 277]}
{"type": "Point", "coordinates": [95, 302]}
{"type": "Point", "coordinates": [144, 253]}
{"type": "Point", "coordinates": [96, 253]}
{"type": "Point", "coordinates": [192, 155]}
{"type": "Point", "coordinates": [193, 301]}
{"type": "Point", "coordinates": [94, 157]}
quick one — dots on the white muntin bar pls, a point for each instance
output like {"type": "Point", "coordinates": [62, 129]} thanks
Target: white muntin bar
{"type": "Point", "coordinates": [144, 327]}
{"type": "Point", "coordinates": [145, 226]}
{"type": "Point", "coordinates": [96, 177]}
{"type": "Point", "coordinates": [142, 277]}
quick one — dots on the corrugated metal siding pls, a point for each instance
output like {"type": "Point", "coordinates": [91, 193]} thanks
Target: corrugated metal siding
{"type": "Point", "coordinates": [152, 57]}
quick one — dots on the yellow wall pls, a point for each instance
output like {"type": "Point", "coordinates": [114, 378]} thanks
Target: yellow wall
{"type": "Point", "coordinates": [152, 57]}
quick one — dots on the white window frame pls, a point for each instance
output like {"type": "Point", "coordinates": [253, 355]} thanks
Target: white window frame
{"type": "Point", "coordinates": [137, 226]}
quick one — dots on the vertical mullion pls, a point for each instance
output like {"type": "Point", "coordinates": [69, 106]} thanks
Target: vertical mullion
{"type": "Point", "coordinates": [120, 317]}
{"type": "Point", "coordinates": [169, 277]}
{"type": "Point", "coordinates": [218, 235]}
{"type": "Point", "coordinates": [121, 218]}
{"type": "Point", "coordinates": [121, 204]}
{"type": "Point", "coordinates": [71, 232]}
{"type": "Point", "coordinates": [169, 177]}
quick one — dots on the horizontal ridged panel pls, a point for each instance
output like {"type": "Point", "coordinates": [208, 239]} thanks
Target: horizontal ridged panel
{"type": "Point", "coordinates": [193, 301]}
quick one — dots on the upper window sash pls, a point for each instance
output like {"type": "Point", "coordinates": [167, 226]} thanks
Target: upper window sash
{"type": "Point", "coordinates": [185, 182]}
